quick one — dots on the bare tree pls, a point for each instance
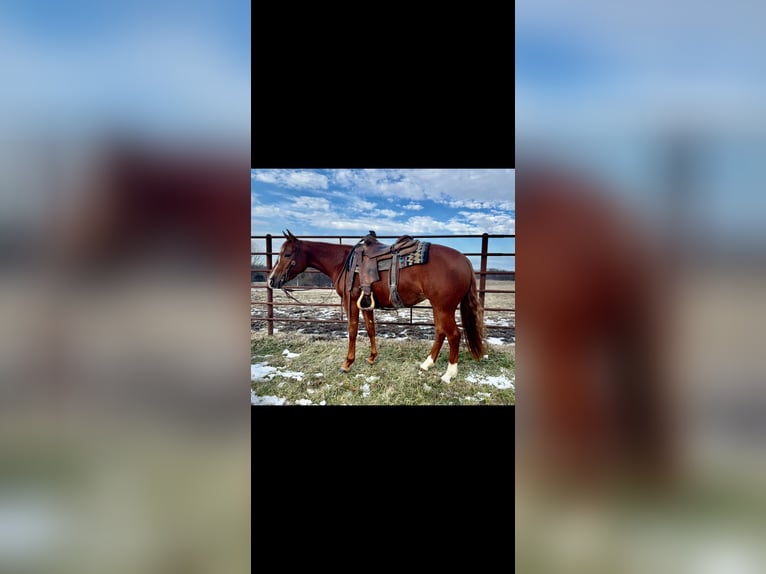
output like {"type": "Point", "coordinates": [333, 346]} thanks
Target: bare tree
{"type": "Point", "coordinates": [257, 262]}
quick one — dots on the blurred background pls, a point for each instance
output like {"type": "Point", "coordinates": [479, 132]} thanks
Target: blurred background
{"type": "Point", "coordinates": [641, 408]}
{"type": "Point", "coordinates": [124, 161]}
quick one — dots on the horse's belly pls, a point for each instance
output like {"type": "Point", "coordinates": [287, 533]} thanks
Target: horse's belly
{"type": "Point", "coordinates": [383, 298]}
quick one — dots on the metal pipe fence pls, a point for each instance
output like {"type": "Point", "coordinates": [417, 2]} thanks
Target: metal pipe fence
{"type": "Point", "coordinates": [268, 305]}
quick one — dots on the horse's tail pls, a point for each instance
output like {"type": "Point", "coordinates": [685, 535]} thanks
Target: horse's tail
{"type": "Point", "coordinates": [472, 318]}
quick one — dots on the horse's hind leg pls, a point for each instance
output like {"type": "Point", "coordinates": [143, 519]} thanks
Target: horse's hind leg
{"type": "Point", "coordinates": [437, 346]}
{"type": "Point", "coordinates": [453, 336]}
{"type": "Point", "coordinates": [445, 327]}
{"type": "Point", "coordinates": [369, 323]}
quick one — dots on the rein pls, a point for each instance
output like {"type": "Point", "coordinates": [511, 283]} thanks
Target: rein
{"type": "Point", "coordinates": [288, 293]}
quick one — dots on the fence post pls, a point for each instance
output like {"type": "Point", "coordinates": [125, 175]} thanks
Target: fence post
{"type": "Point", "coordinates": [269, 293]}
{"type": "Point", "coordinates": [483, 268]}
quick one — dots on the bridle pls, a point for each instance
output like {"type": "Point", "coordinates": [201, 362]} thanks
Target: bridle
{"type": "Point", "coordinates": [283, 276]}
{"type": "Point", "coordinates": [288, 292]}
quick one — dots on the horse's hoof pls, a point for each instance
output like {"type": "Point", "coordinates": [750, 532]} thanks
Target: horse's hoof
{"type": "Point", "coordinates": [371, 361]}
{"type": "Point", "coordinates": [342, 370]}
{"type": "Point", "coordinates": [450, 374]}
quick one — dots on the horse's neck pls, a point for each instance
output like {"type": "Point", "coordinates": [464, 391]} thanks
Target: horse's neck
{"type": "Point", "coordinates": [329, 259]}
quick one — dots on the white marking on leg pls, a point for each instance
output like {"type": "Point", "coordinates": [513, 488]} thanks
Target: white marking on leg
{"type": "Point", "coordinates": [451, 372]}
{"type": "Point", "coordinates": [427, 364]}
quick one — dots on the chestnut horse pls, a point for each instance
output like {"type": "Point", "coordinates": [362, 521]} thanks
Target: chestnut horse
{"type": "Point", "coordinates": [593, 390]}
{"type": "Point", "coordinates": [447, 280]}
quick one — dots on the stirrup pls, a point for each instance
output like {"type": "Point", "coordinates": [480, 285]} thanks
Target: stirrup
{"type": "Point", "coordinates": [359, 302]}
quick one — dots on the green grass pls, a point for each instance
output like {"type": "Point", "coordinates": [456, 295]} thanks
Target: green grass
{"type": "Point", "coordinates": [399, 380]}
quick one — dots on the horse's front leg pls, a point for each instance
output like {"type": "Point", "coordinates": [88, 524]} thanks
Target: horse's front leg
{"type": "Point", "coordinates": [353, 328]}
{"type": "Point", "coordinates": [369, 323]}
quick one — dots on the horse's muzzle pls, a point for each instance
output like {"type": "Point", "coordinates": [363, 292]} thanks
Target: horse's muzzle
{"type": "Point", "coordinates": [275, 282]}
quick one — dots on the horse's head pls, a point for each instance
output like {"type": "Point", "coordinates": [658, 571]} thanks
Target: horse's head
{"type": "Point", "coordinates": [292, 261]}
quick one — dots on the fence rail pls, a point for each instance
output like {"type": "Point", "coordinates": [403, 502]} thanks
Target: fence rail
{"type": "Point", "coordinates": [270, 304]}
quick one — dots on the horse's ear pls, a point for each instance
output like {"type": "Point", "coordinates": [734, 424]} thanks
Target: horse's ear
{"type": "Point", "coordinates": [290, 235]}
{"type": "Point", "coordinates": [284, 233]}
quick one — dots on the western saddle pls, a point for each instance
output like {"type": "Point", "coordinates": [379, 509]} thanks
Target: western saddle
{"type": "Point", "coordinates": [371, 256]}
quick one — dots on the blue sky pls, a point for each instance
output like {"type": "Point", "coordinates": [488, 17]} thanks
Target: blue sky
{"type": "Point", "coordinates": [389, 201]}
{"type": "Point", "coordinates": [147, 66]}
{"type": "Point", "coordinates": [600, 85]}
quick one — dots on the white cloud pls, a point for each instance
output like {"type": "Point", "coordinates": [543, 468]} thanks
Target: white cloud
{"type": "Point", "coordinates": [443, 185]}
{"type": "Point", "coordinates": [500, 223]}
{"type": "Point", "coordinates": [264, 176]}
{"type": "Point", "coordinates": [412, 206]}
{"type": "Point", "coordinates": [427, 224]}
{"type": "Point", "coordinates": [475, 204]}
{"type": "Point", "coordinates": [292, 179]}
{"type": "Point", "coordinates": [347, 204]}
{"type": "Point", "coordinates": [359, 204]}
{"type": "Point", "coordinates": [387, 213]}
{"type": "Point", "coordinates": [468, 223]}
{"type": "Point", "coordinates": [472, 188]}
{"type": "Point", "coordinates": [344, 177]}
{"type": "Point", "coordinates": [307, 179]}
{"type": "Point", "coordinates": [312, 203]}
{"type": "Point", "coordinates": [262, 211]}
{"type": "Point", "coordinates": [463, 223]}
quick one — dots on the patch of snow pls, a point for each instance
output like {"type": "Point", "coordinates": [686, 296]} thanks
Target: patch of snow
{"type": "Point", "coordinates": [495, 341]}
{"type": "Point", "coordinates": [323, 403]}
{"type": "Point", "coordinates": [265, 400]}
{"type": "Point", "coordinates": [288, 374]}
{"type": "Point", "coordinates": [501, 381]}
{"type": "Point", "coordinates": [319, 374]}
{"type": "Point", "coordinates": [426, 387]}
{"type": "Point", "coordinates": [470, 399]}
{"type": "Point", "coordinates": [290, 355]}
{"type": "Point", "coordinates": [303, 402]}
{"type": "Point", "coordinates": [259, 371]}
{"type": "Point", "coordinates": [372, 379]}
{"type": "Point", "coordinates": [365, 390]}
{"type": "Point", "coordinates": [310, 391]}
{"type": "Point", "coordinates": [262, 372]}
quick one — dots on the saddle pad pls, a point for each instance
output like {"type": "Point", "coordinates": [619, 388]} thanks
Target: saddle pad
{"type": "Point", "coordinates": [417, 257]}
